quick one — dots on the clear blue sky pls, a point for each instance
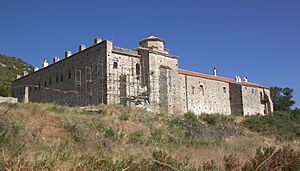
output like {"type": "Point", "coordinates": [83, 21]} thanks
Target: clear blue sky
{"type": "Point", "coordinates": [259, 39]}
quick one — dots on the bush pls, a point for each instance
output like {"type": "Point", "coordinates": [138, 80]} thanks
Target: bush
{"type": "Point", "coordinates": [113, 134]}
{"type": "Point", "coordinates": [190, 116]}
{"type": "Point", "coordinates": [268, 158]}
{"type": "Point", "coordinates": [136, 137]}
{"type": "Point", "coordinates": [4, 90]}
{"type": "Point", "coordinates": [282, 125]}
{"type": "Point", "coordinates": [75, 131]}
{"type": "Point", "coordinates": [156, 135]}
{"type": "Point", "coordinates": [214, 119]}
{"type": "Point", "coordinates": [124, 117]}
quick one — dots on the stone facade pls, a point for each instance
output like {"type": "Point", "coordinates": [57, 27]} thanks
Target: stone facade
{"type": "Point", "coordinates": [147, 76]}
{"type": "Point", "coordinates": [8, 100]}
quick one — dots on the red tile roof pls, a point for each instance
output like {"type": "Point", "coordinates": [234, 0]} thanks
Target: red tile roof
{"type": "Point", "coordinates": [227, 80]}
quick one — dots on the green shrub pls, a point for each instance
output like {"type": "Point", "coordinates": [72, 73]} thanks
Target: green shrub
{"type": "Point", "coordinates": [4, 90]}
{"type": "Point", "coordinates": [75, 131]}
{"type": "Point", "coordinates": [213, 119]}
{"type": "Point", "coordinates": [114, 134]}
{"type": "Point", "coordinates": [1, 164]}
{"type": "Point", "coordinates": [156, 135]}
{"type": "Point", "coordinates": [190, 116]}
{"type": "Point", "coordinates": [136, 137]}
{"type": "Point", "coordinates": [124, 117]}
{"type": "Point", "coordinates": [282, 125]}
{"type": "Point", "coordinates": [57, 108]}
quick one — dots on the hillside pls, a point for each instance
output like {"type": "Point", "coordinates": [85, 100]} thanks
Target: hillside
{"type": "Point", "coordinates": [113, 137]}
{"type": "Point", "coordinates": [9, 68]}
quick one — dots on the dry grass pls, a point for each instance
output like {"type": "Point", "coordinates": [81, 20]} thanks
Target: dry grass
{"type": "Point", "coordinates": [57, 137]}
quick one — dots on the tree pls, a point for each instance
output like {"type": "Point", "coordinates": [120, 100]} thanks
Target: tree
{"type": "Point", "coordinates": [282, 98]}
{"type": "Point", "coordinates": [4, 90]}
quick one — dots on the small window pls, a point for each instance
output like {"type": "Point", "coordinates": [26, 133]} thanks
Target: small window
{"type": "Point", "coordinates": [115, 65]}
{"type": "Point", "coordinates": [39, 85]}
{"type": "Point", "coordinates": [253, 91]}
{"type": "Point", "coordinates": [61, 78]}
{"type": "Point", "coordinates": [138, 69]}
{"type": "Point", "coordinates": [88, 74]}
{"type": "Point", "coordinates": [50, 82]}
{"type": "Point", "coordinates": [224, 89]}
{"type": "Point", "coordinates": [193, 90]}
{"type": "Point", "coordinates": [70, 75]}
{"type": "Point", "coordinates": [45, 83]}
{"type": "Point", "coordinates": [57, 78]}
{"type": "Point", "coordinates": [201, 89]}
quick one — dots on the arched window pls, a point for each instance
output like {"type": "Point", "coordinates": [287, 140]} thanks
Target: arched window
{"type": "Point", "coordinates": [138, 69]}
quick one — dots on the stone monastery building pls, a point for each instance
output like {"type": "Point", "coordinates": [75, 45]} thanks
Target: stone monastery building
{"type": "Point", "coordinates": [147, 76]}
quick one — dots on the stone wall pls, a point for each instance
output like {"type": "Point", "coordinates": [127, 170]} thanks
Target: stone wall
{"type": "Point", "coordinates": [256, 100]}
{"type": "Point", "coordinates": [76, 80]}
{"type": "Point", "coordinates": [236, 101]}
{"type": "Point", "coordinates": [161, 66]}
{"type": "Point", "coordinates": [202, 95]}
{"type": "Point", "coordinates": [124, 81]}
{"type": "Point", "coordinates": [8, 100]}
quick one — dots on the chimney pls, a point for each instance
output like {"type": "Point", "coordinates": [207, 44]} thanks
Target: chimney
{"type": "Point", "coordinates": [81, 47]}
{"type": "Point", "coordinates": [97, 40]}
{"type": "Point", "coordinates": [45, 63]}
{"type": "Point", "coordinates": [55, 59]}
{"type": "Point", "coordinates": [245, 79]}
{"type": "Point", "coordinates": [35, 69]}
{"type": "Point", "coordinates": [25, 73]}
{"type": "Point", "coordinates": [68, 54]}
{"type": "Point", "coordinates": [237, 79]}
{"type": "Point", "coordinates": [18, 76]}
{"type": "Point", "coordinates": [215, 71]}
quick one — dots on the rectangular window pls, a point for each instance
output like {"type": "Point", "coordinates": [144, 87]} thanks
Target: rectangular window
{"type": "Point", "coordinates": [69, 75]}
{"type": "Point", "coordinates": [201, 89]}
{"type": "Point", "coordinates": [115, 65]}
{"type": "Point", "coordinates": [77, 80]}
{"type": "Point", "coordinates": [88, 80]}
{"type": "Point", "coordinates": [88, 74]}
{"type": "Point", "coordinates": [224, 89]}
{"type": "Point", "coordinates": [138, 69]}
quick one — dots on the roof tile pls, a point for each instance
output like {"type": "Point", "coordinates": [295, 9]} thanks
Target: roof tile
{"type": "Point", "coordinates": [227, 80]}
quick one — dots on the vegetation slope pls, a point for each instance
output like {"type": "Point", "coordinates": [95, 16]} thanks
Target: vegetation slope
{"type": "Point", "coordinates": [9, 68]}
{"type": "Point", "coordinates": [112, 137]}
